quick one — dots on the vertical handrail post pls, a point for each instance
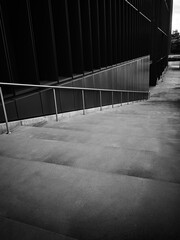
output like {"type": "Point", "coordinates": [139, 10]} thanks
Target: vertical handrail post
{"type": "Point", "coordinates": [121, 98]}
{"type": "Point", "coordinates": [112, 99]}
{"type": "Point", "coordinates": [133, 97]}
{"type": "Point", "coordinates": [100, 99]}
{"type": "Point", "coordinates": [55, 104]}
{"type": "Point", "coordinates": [4, 110]}
{"type": "Point", "coordinates": [83, 102]}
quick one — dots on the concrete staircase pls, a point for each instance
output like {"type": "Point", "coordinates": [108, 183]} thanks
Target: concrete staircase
{"type": "Point", "coordinates": [113, 174]}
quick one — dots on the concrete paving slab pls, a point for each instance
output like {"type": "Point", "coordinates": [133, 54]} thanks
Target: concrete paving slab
{"type": "Point", "coordinates": [107, 140]}
{"type": "Point", "coordinates": [166, 129]}
{"type": "Point", "coordinates": [12, 230]}
{"type": "Point", "coordinates": [87, 204]}
{"type": "Point", "coordinates": [163, 166]}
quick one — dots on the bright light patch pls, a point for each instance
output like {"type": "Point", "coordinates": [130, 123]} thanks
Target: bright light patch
{"type": "Point", "coordinates": [176, 15]}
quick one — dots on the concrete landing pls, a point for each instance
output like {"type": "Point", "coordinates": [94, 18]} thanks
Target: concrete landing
{"type": "Point", "coordinates": [113, 174]}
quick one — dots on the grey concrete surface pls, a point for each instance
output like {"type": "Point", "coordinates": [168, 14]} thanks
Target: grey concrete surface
{"type": "Point", "coordinates": [12, 230]}
{"type": "Point", "coordinates": [87, 204]}
{"type": "Point", "coordinates": [106, 175]}
{"type": "Point", "coordinates": [120, 160]}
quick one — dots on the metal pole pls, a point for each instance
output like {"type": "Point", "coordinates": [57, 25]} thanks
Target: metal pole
{"type": "Point", "coordinates": [83, 102]}
{"type": "Point", "coordinates": [100, 98]}
{"type": "Point", "coordinates": [121, 98]}
{"type": "Point", "coordinates": [4, 110]}
{"type": "Point", "coordinates": [112, 99]}
{"type": "Point", "coordinates": [55, 104]}
{"type": "Point", "coordinates": [65, 87]}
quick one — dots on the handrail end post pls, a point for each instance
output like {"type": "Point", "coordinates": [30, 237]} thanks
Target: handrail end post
{"type": "Point", "coordinates": [4, 110]}
{"type": "Point", "coordinates": [83, 102]}
{"type": "Point", "coordinates": [100, 95]}
{"type": "Point", "coordinates": [55, 104]}
{"type": "Point", "coordinates": [121, 98]}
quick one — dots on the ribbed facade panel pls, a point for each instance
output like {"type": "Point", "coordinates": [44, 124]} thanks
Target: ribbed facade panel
{"type": "Point", "coordinates": [115, 44]}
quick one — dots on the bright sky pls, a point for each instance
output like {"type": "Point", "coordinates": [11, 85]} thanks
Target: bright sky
{"type": "Point", "coordinates": [176, 15]}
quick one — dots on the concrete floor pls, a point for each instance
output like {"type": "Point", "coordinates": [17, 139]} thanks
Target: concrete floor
{"type": "Point", "coordinates": [113, 174]}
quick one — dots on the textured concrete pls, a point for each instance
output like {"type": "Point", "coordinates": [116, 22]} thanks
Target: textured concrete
{"type": "Point", "coordinates": [107, 175]}
{"type": "Point", "coordinates": [88, 204]}
{"type": "Point", "coordinates": [12, 230]}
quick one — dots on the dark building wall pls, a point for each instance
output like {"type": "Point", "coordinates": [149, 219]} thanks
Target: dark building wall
{"type": "Point", "coordinates": [160, 32]}
{"type": "Point", "coordinates": [82, 43]}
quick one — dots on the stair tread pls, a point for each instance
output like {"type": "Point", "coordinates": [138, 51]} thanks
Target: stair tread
{"type": "Point", "coordinates": [121, 160]}
{"type": "Point", "coordinates": [126, 140]}
{"type": "Point", "coordinates": [25, 231]}
{"type": "Point", "coordinates": [58, 197]}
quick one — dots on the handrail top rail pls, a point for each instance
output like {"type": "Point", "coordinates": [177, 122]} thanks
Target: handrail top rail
{"type": "Point", "coordinates": [72, 88]}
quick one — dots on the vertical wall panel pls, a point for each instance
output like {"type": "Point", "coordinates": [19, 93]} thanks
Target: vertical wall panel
{"type": "Point", "coordinates": [5, 70]}
{"type": "Point", "coordinates": [24, 106]}
{"type": "Point", "coordinates": [95, 34]}
{"type": "Point", "coordinates": [66, 98]}
{"type": "Point", "coordinates": [123, 31]}
{"type": "Point", "coordinates": [114, 31]}
{"type": "Point", "coordinates": [76, 36]}
{"type": "Point", "coordinates": [106, 98]}
{"type": "Point", "coordinates": [19, 41]}
{"type": "Point", "coordinates": [44, 40]}
{"type": "Point", "coordinates": [119, 29]}
{"type": "Point", "coordinates": [92, 99]}
{"type": "Point", "coordinates": [10, 110]}
{"type": "Point", "coordinates": [47, 100]}
{"type": "Point", "coordinates": [109, 32]}
{"type": "Point", "coordinates": [89, 81]}
{"type": "Point", "coordinates": [77, 100]}
{"type": "Point", "coordinates": [86, 35]}
{"type": "Point", "coordinates": [102, 27]}
{"type": "Point", "coordinates": [62, 38]}
{"type": "Point", "coordinates": [116, 97]}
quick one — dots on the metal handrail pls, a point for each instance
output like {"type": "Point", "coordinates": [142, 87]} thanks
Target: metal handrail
{"type": "Point", "coordinates": [63, 87]}
{"type": "Point", "coordinates": [73, 88]}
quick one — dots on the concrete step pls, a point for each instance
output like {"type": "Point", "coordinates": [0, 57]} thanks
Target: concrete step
{"type": "Point", "coordinates": [128, 112]}
{"type": "Point", "coordinates": [144, 128]}
{"type": "Point", "coordinates": [133, 162]}
{"type": "Point", "coordinates": [126, 139]}
{"type": "Point", "coordinates": [87, 204]}
{"type": "Point", "coordinates": [12, 229]}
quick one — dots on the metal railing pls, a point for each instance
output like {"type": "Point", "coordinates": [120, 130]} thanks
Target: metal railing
{"type": "Point", "coordinates": [69, 88]}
